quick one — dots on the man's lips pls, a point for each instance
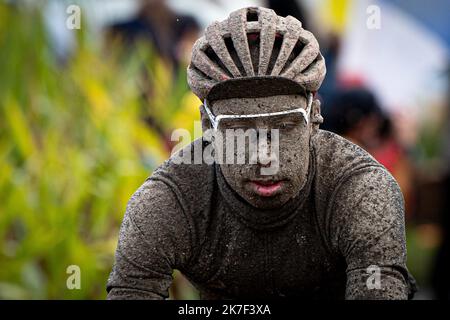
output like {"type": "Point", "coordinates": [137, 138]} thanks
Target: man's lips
{"type": "Point", "coordinates": [266, 188]}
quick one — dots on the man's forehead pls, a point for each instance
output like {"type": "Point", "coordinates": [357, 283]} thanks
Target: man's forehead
{"type": "Point", "coordinates": [258, 105]}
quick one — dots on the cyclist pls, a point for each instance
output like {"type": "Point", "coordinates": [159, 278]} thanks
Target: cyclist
{"type": "Point", "coordinates": [326, 223]}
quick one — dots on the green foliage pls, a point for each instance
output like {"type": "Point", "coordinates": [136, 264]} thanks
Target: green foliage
{"type": "Point", "coordinates": [73, 148]}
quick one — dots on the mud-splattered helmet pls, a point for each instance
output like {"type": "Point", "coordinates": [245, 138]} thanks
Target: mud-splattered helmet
{"type": "Point", "coordinates": [255, 52]}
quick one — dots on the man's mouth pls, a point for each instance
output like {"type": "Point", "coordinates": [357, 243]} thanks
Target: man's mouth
{"type": "Point", "coordinates": [266, 188]}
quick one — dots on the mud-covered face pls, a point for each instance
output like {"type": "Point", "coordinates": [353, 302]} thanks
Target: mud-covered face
{"type": "Point", "coordinates": [287, 161]}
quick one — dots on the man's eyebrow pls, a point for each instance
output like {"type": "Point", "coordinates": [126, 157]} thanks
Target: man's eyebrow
{"type": "Point", "coordinates": [228, 113]}
{"type": "Point", "coordinates": [292, 118]}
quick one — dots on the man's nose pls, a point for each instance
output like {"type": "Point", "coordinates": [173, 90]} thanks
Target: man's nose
{"type": "Point", "coordinates": [266, 154]}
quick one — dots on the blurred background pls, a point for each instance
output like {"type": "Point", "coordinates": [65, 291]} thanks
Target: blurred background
{"type": "Point", "coordinates": [89, 97]}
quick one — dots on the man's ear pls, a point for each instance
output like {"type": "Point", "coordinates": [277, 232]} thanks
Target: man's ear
{"type": "Point", "coordinates": [317, 118]}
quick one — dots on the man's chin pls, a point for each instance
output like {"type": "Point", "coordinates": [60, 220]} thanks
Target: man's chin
{"type": "Point", "coordinates": [266, 203]}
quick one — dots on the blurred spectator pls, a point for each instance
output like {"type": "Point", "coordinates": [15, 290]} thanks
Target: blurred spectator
{"type": "Point", "coordinates": [356, 115]}
{"type": "Point", "coordinates": [440, 279]}
{"type": "Point", "coordinates": [331, 49]}
{"type": "Point", "coordinates": [171, 34]}
{"type": "Point", "coordinates": [289, 8]}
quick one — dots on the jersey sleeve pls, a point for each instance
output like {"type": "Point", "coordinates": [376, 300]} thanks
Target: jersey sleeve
{"type": "Point", "coordinates": [368, 229]}
{"type": "Point", "coordinates": [154, 239]}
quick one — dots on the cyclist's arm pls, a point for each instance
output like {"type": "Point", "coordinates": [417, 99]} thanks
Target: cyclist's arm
{"type": "Point", "coordinates": [154, 239]}
{"type": "Point", "coordinates": [369, 232]}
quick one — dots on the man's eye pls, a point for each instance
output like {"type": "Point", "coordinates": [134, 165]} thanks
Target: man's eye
{"type": "Point", "coordinates": [288, 125]}
{"type": "Point", "coordinates": [239, 126]}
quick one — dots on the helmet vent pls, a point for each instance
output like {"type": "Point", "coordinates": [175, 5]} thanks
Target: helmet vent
{"type": "Point", "coordinates": [275, 52]}
{"type": "Point", "coordinates": [200, 72]}
{"type": "Point", "coordinates": [294, 54]}
{"type": "Point", "coordinates": [232, 51]}
{"type": "Point", "coordinates": [253, 44]}
{"type": "Point", "coordinates": [215, 59]}
{"type": "Point", "coordinates": [252, 14]}
{"type": "Point", "coordinates": [308, 68]}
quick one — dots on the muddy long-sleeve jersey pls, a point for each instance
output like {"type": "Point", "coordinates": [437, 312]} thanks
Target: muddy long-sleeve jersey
{"type": "Point", "coordinates": [342, 236]}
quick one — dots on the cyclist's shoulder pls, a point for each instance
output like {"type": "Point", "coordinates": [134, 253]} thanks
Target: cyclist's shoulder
{"type": "Point", "coordinates": [186, 166]}
{"type": "Point", "coordinates": [186, 174]}
{"type": "Point", "coordinates": [337, 156]}
{"type": "Point", "coordinates": [346, 174]}
{"type": "Point", "coordinates": [338, 161]}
